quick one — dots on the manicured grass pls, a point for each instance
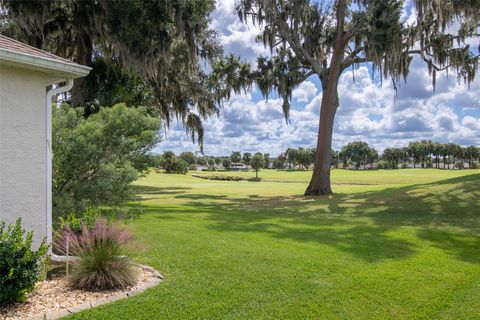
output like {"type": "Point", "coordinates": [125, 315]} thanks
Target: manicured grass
{"type": "Point", "coordinates": [399, 244]}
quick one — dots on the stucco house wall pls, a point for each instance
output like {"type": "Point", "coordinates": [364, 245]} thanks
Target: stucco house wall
{"type": "Point", "coordinates": [29, 77]}
{"type": "Point", "coordinates": [23, 153]}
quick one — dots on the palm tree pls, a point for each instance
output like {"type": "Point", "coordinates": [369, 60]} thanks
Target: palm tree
{"type": "Point", "coordinates": [437, 151]}
{"type": "Point", "coordinates": [257, 162]}
{"type": "Point", "coordinates": [444, 152]}
{"type": "Point", "coordinates": [405, 156]}
{"type": "Point", "coordinates": [416, 152]}
{"type": "Point", "coordinates": [471, 155]}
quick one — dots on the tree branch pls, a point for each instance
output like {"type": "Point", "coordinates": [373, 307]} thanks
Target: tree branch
{"type": "Point", "coordinates": [353, 57]}
{"type": "Point", "coordinates": [290, 36]}
{"type": "Point", "coordinates": [355, 60]}
{"type": "Point", "coordinates": [306, 76]}
{"type": "Point", "coordinates": [429, 61]}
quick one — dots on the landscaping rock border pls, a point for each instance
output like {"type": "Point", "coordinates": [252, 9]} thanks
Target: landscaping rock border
{"type": "Point", "coordinates": [158, 277]}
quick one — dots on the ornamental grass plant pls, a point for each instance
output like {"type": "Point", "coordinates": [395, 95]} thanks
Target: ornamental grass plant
{"type": "Point", "coordinates": [103, 262]}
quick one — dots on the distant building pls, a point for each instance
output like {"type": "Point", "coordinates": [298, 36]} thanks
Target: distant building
{"type": "Point", "coordinates": [238, 167]}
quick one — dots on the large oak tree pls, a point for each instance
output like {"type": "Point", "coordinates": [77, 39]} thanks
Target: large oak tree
{"type": "Point", "coordinates": [166, 42]}
{"type": "Point", "coordinates": [325, 38]}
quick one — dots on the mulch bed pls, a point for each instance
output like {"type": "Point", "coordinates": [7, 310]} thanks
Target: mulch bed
{"type": "Point", "coordinates": [53, 299]}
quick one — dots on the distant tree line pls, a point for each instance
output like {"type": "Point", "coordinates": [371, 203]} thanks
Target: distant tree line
{"type": "Point", "coordinates": [428, 154]}
{"type": "Point", "coordinates": [354, 155]}
{"type": "Point", "coordinates": [358, 154]}
{"type": "Point", "coordinates": [185, 161]}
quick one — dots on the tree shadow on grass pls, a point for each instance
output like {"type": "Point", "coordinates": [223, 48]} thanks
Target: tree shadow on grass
{"type": "Point", "coordinates": [143, 192]}
{"type": "Point", "coordinates": [465, 247]}
{"type": "Point", "coordinates": [200, 196]}
{"type": "Point", "coordinates": [360, 223]}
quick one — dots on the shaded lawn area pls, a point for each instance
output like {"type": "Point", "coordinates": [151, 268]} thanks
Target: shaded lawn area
{"type": "Point", "coordinates": [399, 244]}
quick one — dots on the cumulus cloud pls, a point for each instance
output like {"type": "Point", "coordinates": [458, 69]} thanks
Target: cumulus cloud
{"type": "Point", "coordinates": [236, 37]}
{"type": "Point", "coordinates": [305, 91]}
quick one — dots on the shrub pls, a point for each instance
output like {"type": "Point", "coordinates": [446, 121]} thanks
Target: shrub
{"type": "Point", "coordinates": [103, 262]}
{"type": "Point", "coordinates": [20, 266]}
{"type": "Point", "coordinates": [97, 158]}
{"type": "Point", "coordinates": [177, 165]}
{"type": "Point", "coordinates": [226, 163]}
{"type": "Point", "coordinates": [383, 165]}
{"type": "Point", "coordinates": [475, 165]}
{"type": "Point", "coordinates": [221, 178]}
{"type": "Point", "coordinates": [71, 221]}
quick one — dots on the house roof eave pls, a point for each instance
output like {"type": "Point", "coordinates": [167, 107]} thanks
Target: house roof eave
{"type": "Point", "coordinates": [62, 69]}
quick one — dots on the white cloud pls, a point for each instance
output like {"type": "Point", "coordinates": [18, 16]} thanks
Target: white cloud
{"type": "Point", "coordinates": [305, 91]}
{"type": "Point", "coordinates": [471, 123]}
{"type": "Point", "coordinates": [235, 36]}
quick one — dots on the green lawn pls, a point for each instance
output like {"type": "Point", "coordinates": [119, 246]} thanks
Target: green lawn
{"type": "Point", "coordinates": [399, 244]}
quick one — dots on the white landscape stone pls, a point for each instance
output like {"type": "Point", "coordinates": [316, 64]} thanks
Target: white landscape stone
{"type": "Point", "coordinates": [53, 299]}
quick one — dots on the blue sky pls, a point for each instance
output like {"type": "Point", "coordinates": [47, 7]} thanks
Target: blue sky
{"type": "Point", "coordinates": [368, 110]}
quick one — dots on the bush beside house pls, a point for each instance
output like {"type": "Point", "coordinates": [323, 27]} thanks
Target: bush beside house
{"type": "Point", "coordinates": [20, 265]}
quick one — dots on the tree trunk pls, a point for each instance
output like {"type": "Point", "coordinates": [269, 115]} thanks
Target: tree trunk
{"type": "Point", "coordinates": [320, 181]}
{"type": "Point", "coordinates": [83, 56]}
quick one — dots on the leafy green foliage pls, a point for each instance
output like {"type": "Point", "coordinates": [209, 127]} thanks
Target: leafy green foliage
{"type": "Point", "coordinates": [176, 165]}
{"type": "Point", "coordinates": [236, 157]}
{"type": "Point", "coordinates": [393, 156]}
{"type": "Point", "coordinates": [359, 153]}
{"type": "Point", "coordinates": [382, 164]}
{"type": "Point", "coordinates": [20, 265]}
{"type": "Point", "coordinates": [102, 250]}
{"type": "Point", "coordinates": [257, 162]}
{"type": "Point", "coordinates": [95, 159]}
{"type": "Point", "coordinates": [188, 157]}
{"type": "Point", "coordinates": [202, 161]}
{"type": "Point", "coordinates": [218, 177]}
{"type": "Point", "coordinates": [226, 163]}
{"type": "Point", "coordinates": [76, 223]}
{"type": "Point", "coordinates": [162, 44]}
{"type": "Point", "coordinates": [301, 157]}
{"type": "Point", "coordinates": [108, 84]}
{"type": "Point", "coordinates": [266, 157]}
{"type": "Point", "coordinates": [211, 161]}
{"type": "Point", "coordinates": [247, 158]}
{"type": "Point", "coordinates": [157, 160]}
{"type": "Point", "coordinates": [279, 162]}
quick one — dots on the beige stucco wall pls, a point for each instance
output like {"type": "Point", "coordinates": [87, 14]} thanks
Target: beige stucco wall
{"type": "Point", "coordinates": [23, 155]}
